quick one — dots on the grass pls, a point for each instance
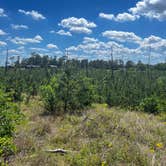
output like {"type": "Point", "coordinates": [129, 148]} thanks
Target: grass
{"type": "Point", "coordinates": [100, 137]}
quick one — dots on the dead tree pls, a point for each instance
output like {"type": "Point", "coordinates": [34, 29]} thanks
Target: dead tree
{"type": "Point", "coordinates": [6, 62]}
{"type": "Point", "coordinates": [112, 63]}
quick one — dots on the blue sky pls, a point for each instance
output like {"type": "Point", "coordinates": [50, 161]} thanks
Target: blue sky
{"type": "Point", "coordinates": [87, 29]}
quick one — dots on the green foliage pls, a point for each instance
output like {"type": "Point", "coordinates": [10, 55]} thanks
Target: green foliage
{"type": "Point", "coordinates": [85, 157]}
{"type": "Point", "coordinates": [50, 96]}
{"type": "Point", "coordinates": [85, 94]}
{"type": "Point", "coordinates": [10, 116]}
{"type": "Point", "coordinates": [150, 105]}
{"type": "Point", "coordinates": [79, 83]}
{"type": "Point", "coordinates": [67, 93]}
{"type": "Point", "coordinates": [7, 146]}
{"type": "Point", "coordinates": [161, 81]}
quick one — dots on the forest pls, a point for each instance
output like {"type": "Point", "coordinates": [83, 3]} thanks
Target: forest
{"type": "Point", "coordinates": [66, 89]}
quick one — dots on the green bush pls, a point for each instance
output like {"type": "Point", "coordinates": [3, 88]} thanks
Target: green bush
{"type": "Point", "coordinates": [49, 96]}
{"type": "Point", "coordinates": [161, 82]}
{"type": "Point", "coordinates": [85, 93]}
{"type": "Point", "coordinates": [67, 93]}
{"type": "Point", "coordinates": [7, 146]}
{"type": "Point", "coordinates": [150, 105]}
{"type": "Point", "coordinates": [10, 116]}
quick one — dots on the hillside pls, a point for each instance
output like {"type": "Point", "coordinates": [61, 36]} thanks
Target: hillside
{"type": "Point", "coordinates": [99, 137]}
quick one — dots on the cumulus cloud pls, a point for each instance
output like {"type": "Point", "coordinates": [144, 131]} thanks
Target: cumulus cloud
{"type": "Point", "coordinates": [78, 25]}
{"type": "Point", "coordinates": [2, 13]}
{"type": "Point", "coordinates": [2, 43]}
{"type": "Point", "coordinates": [52, 31]}
{"type": "Point", "coordinates": [34, 14]}
{"type": "Point", "coordinates": [14, 51]}
{"type": "Point", "coordinates": [122, 36]}
{"type": "Point", "coordinates": [154, 43]}
{"type": "Point", "coordinates": [24, 41]}
{"type": "Point", "coordinates": [76, 22]}
{"type": "Point", "coordinates": [52, 46]}
{"type": "Point", "coordinates": [63, 33]}
{"type": "Point", "coordinates": [107, 16]}
{"type": "Point", "coordinates": [122, 17]}
{"type": "Point", "coordinates": [81, 30]}
{"type": "Point", "coordinates": [38, 49]}
{"type": "Point", "coordinates": [2, 32]}
{"type": "Point", "coordinates": [21, 48]}
{"type": "Point", "coordinates": [19, 27]}
{"type": "Point", "coordinates": [89, 40]}
{"type": "Point", "coordinates": [92, 48]}
{"type": "Point", "coordinates": [58, 53]}
{"type": "Point", "coordinates": [152, 9]}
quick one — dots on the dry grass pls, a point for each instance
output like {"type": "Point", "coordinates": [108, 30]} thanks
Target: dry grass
{"type": "Point", "coordinates": [101, 137]}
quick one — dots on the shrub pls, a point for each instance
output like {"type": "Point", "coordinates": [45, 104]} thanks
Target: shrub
{"type": "Point", "coordinates": [85, 93]}
{"type": "Point", "coordinates": [161, 82]}
{"type": "Point", "coordinates": [10, 116]}
{"type": "Point", "coordinates": [7, 147]}
{"type": "Point", "coordinates": [150, 105]}
{"type": "Point", "coordinates": [67, 93]}
{"type": "Point", "coordinates": [49, 97]}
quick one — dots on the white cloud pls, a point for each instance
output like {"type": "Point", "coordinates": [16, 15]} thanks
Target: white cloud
{"type": "Point", "coordinates": [92, 48]}
{"type": "Point", "coordinates": [34, 14]}
{"type": "Point", "coordinates": [76, 22]}
{"type": "Point", "coordinates": [72, 48]}
{"type": "Point", "coordinates": [24, 41]}
{"type": "Point", "coordinates": [122, 17]}
{"type": "Point", "coordinates": [153, 9]}
{"type": "Point", "coordinates": [19, 27]}
{"type": "Point", "coordinates": [21, 48]}
{"type": "Point", "coordinates": [78, 25]}
{"type": "Point", "coordinates": [154, 43]}
{"type": "Point", "coordinates": [2, 32]}
{"type": "Point", "coordinates": [52, 31]}
{"type": "Point", "coordinates": [89, 40]}
{"type": "Point", "coordinates": [38, 37]}
{"type": "Point", "coordinates": [2, 13]}
{"type": "Point", "coordinates": [107, 16]}
{"type": "Point", "coordinates": [63, 33]}
{"type": "Point", "coordinates": [81, 30]}
{"type": "Point", "coordinates": [52, 46]}
{"type": "Point", "coordinates": [58, 53]}
{"type": "Point", "coordinates": [122, 36]}
{"type": "Point", "coordinates": [2, 43]}
{"type": "Point", "coordinates": [37, 49]}
{"type": "Point", "coordinates": [14, 51]}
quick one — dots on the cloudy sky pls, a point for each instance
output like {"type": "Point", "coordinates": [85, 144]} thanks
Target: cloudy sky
{"type": "Point", "coordinates": [133, 29]}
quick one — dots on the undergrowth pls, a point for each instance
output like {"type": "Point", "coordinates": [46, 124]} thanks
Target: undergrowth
{"type": "Point", "coordinates": [99, 137]}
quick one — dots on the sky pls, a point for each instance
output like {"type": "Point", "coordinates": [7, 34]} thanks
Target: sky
{"type": "Point", "coordinates": [87, 29]}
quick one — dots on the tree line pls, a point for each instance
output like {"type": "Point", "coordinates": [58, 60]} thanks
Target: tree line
{"type": "Point", "coordinates": [45, 61]}
{"type": "Point", "coordinates": [113, 82]}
